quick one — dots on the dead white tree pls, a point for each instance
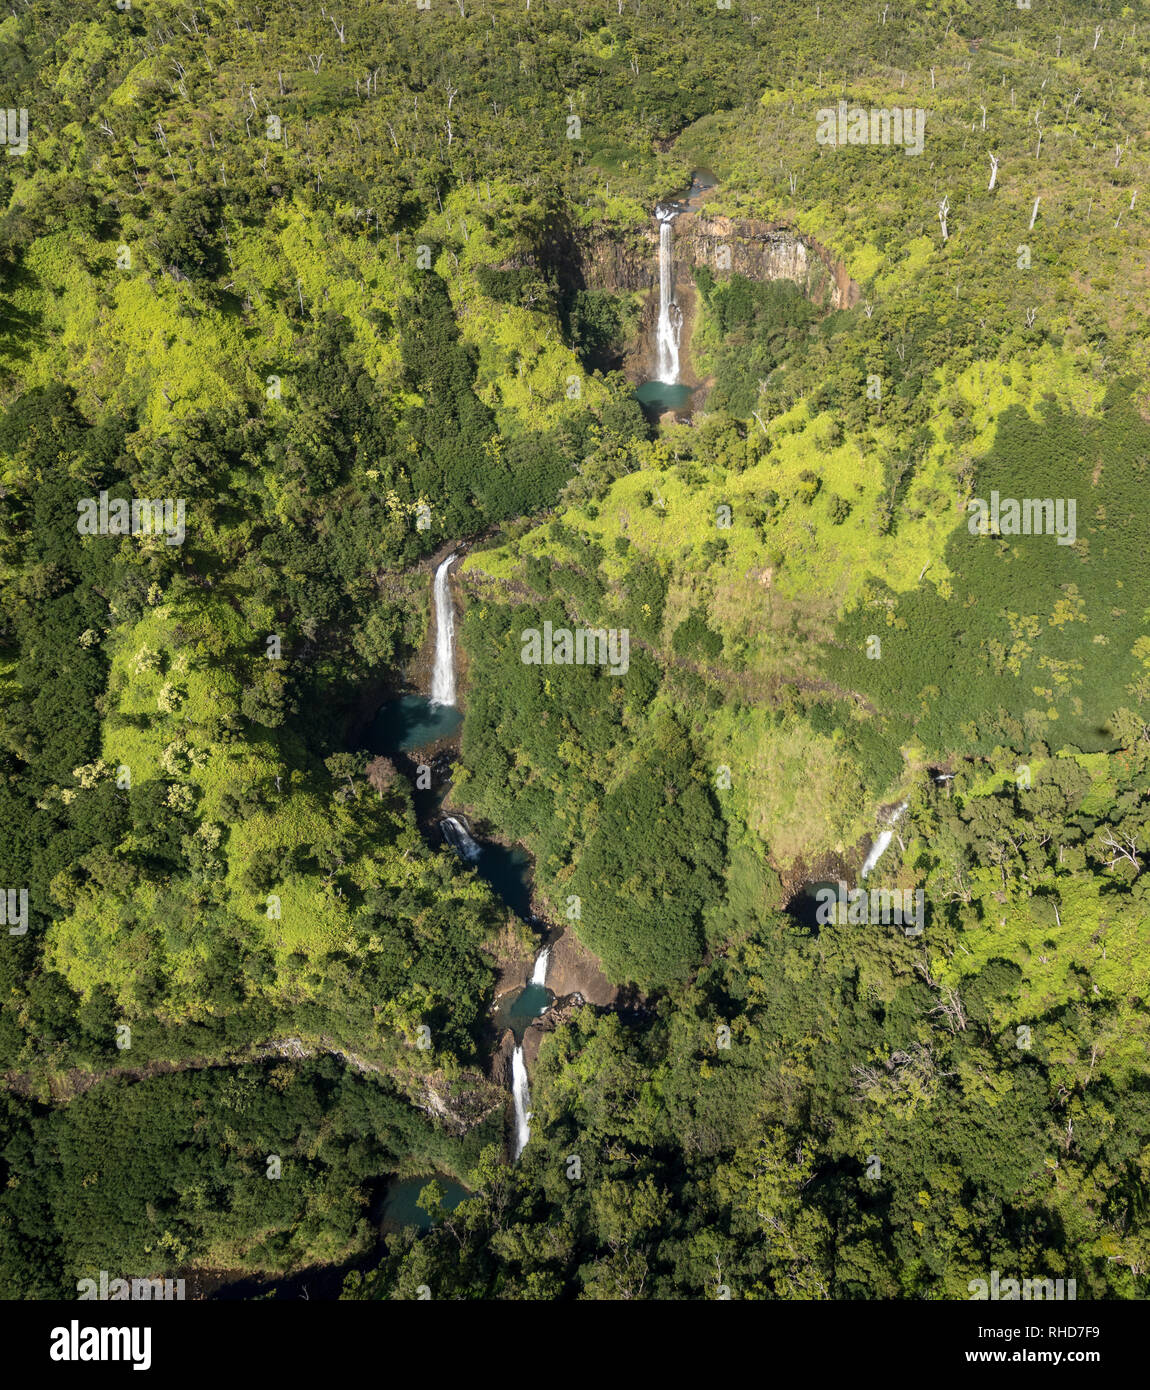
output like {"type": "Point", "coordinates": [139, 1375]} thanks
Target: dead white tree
{"type": "Point", "coordinates": [340, 29]}
{"type": "Point", "coordinates": [1097, 35]}
{"type": "Point", "coordinates": [943, 213]}
{"type": "Point", "coordinates": [1034, 214]}
{"type": "Point", "coordinates": [993, 173]}
{"type": "Point", "coordinates": [1121, 847]}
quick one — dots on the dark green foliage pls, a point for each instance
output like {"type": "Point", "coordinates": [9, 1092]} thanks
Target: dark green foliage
{"type": "Point", "coordinates": [760, 324]}
{"type": "Point", "coordinates": [143, 1178]}
{"type": "Point", "coordinates": [1021, 605]}
{"type": "Point", "coordinates": [694, 638]}
{"type": "Point", "coordinates": [651, 866]}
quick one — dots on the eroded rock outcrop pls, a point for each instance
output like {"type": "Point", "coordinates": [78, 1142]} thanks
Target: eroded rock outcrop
{"type": "Point", "coordinates": [766, 251]}
{"type": "Point", "coordinates": [554, 1018]}
{"type": "Point", "coordinates": [572, 969]}
{"type": "Point", "coordinates": [628, 259]}
{"type": "Point", "coordinates": [501, 1060]}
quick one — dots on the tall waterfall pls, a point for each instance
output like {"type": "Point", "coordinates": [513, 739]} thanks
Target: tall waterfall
{"type": "Point", "coordinates": [670, 315]}
{"type": "Point", "coordinates": [522, 1100]}
{"type": "Point", "coordinates": [457, 836]}
{"type": "Point", "coordinates": [878, 849]}
{"type": "Point", "coordinates": [539, 974]}
{"type": "Point", "coordinates": [443, 676]}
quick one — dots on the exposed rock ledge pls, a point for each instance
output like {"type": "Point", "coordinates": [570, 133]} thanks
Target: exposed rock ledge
{"type": "Point", "coordinates": [501, 1060]}
{"type": "Point", "coordinates": [572, 969]}
{"type": "Point", "coordinates": [554, 1018]}
{"type": "Point", "coordinates": [617, 259]}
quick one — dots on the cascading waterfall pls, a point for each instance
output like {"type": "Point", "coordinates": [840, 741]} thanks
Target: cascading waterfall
{"type": "Point", "coordinates": [670, 315]}
{"type": "Point", "coordinates": [457, 836]}
{"type": "Point", "coordinates": [519, 1092]}
{"type": "Point", "coordinates": [443, 675]}
{"type": "Point", "coordinates": [878, 849]}
{"type": "Point", "coordinates": [522, 1099]}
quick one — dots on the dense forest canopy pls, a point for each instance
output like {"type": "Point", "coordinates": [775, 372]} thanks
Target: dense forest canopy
{"type": "Point", "coordinates": [359, 284]}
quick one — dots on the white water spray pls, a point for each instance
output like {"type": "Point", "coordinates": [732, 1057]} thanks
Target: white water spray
{"type": "Point", "coordinates": [519, 1092]}
{"type": "Point", "coordinates": [670, 315]}
{"type": "Point", "coordinates": [522, 1099]}
{"type": "Point", "coordinates": [878, 849]}
{"type": "Point", "coordinates": [457, 836]}
{"type": "Point", "coordinates": [443, 676]}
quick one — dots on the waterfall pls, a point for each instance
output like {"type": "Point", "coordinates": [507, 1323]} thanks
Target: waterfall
{"type": "Point", "coordinates": [522, 1100]}
{"type": "Point", "coordinates": [443, 676]}
{"type": "Point", "coordinates": [670, 315]}
{"type": "Point", "coordinates": [539, 974]}
{"type": "Point", "coordinates": [878, 849]}
{"type": "Point", "coordinates": [456, 835]}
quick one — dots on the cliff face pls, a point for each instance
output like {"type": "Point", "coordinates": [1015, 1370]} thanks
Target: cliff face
{"type": "Point", "coordinates": [629, 260]}
{"type": "Point", "coordinates": [572, 969]}
{"type": "Point", "coordinates": [619, 260]}
{"type": "Point", "coordinates": [765, 251]}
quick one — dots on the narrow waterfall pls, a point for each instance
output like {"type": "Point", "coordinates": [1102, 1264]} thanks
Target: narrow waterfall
{"type": "Point", "coordinates": [670, 315]}
{"type": "Point", "coordinates": [443, 676]}
{"type": "Point", "coordinates": [457, 836]}
{"type": "Point", "coordinates": [878, 849]}
{"type": "Point", "coordinates": [539, 974]}
{"type": "Point", "coordinates": [522, 1100]}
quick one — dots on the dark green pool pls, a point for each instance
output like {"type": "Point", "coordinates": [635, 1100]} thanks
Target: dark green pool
{"type": "Point", "coordinates": [411, 722]}
{"type": "Point", "coordinates": [402, 1208]}
{"type": "Point", "coordinates": [657, 396]}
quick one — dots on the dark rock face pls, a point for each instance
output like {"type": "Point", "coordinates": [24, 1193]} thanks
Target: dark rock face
{"type": "Point", "coordinates": [614, 259]}
{"type": "Point", "coordinates": [765, 251]}
{"type": "Point", "coordinates": [620, 259]}
{"type": "Point", "coordinates": [501, 1060]}
{"type": "Point", "coordinates": [572, 969]}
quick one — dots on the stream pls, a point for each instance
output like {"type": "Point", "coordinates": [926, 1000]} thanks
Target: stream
{"type": "Point", "coordinates": [408, 725]}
